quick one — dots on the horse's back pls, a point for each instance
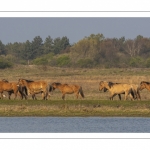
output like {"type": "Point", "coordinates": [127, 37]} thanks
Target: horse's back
{"type": "Point", "coordinates": [121, 88]}
{"type": "Point", "coordinates": [5, 86]}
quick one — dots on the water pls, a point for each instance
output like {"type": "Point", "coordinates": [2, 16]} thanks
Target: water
{"type": "Point", "coordinates": [74, 125]}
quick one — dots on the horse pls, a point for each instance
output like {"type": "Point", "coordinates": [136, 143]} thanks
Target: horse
{"type": "Point", "coordinates": [35, 87]}
{"type": "Point", "coordinates": [135, 92]}
{"type": "Point", "coordinates": [68, 89]}
{"type": "Point", "coordinates": [144, 85]}
{"type": "Point", "coordinates": [14, 89]}
{"type": "Point", "coordinates": [117, 89]}
{"type": "Point", "coordinates": [8, 87]}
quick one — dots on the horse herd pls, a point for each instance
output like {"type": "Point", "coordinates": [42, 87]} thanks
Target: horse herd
{"type": "Point", "coordinates": [25, 87]}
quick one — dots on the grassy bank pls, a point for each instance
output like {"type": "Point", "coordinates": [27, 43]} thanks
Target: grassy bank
{"type": "Point", "coordinates": [95, 103]}
{"type": "Point", "coordinates": [74, 108]}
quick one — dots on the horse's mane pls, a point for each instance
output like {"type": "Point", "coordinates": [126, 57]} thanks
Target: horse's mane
{"type": "Point", "coordinates": [57, 83]}
{"type": "Point", "coordinates": [111, 84]}
{"type": "Point", "coordinates": [27, 80]}
{"type": "Point", "coordinates": [4, 80]}
{"type": "Point", "coordinates": [145, 82]}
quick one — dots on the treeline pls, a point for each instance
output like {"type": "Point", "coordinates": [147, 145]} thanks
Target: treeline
{"type": "Point", "coordinates": [92, 51]}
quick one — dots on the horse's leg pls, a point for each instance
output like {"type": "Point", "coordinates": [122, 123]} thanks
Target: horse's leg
{"type": "Point", "coordinates": [63, 96]}
{"type": "Point", "coordinates": [119, 95]}
{"type": "Point", "coordinates": [77, 94]}
{"type": "Point", "coordinates": [43, 95]}
{"type": "Point", "coordinates": [15, 94]}
{"type": "Point", "coordinates": [126, 94]}
{"type": "Point", "coordinates": [1, 95]}
{"type": "Point", "coordinates": [138, 93]}
{"type": "Point", "coordinates": [9, 94]}
{"type": "Point", "coordinates": [111, 96]}
{"type": "Point", "coordinates": [46, 96]}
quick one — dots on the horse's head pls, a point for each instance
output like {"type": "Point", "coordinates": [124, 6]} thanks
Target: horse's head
{"type": "Point", "coordinates": [143, 85]}
{"type": "Point", "coordinates": [20, 82]}
{"type": "Point", "coordinates": [55, 85]}
{"type": "Point", "coordinates": [105, 89]}
{"type": "Point", "coordinates": [101, 86]}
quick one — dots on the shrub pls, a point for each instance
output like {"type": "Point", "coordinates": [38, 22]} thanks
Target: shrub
{"type": "Point", "coordinates": [5, 64]}
{"type": "Point", "coordinates": [43, 60]}
{"type": "Point", "coordinates": [147, 63]}
{"type": "Point", "coordinates": [136, 62]}
{"type": "Point", "coordinates": [87, 63]}
{"type": "Point", "coordinates": [63, 61]}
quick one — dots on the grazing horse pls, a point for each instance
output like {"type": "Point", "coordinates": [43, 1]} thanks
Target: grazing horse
{"type": "Point", "coordinates": [132, 95]}
{"type": "Point", "coordinates": [35, 87]}
{"type": "Point", "coordinates": [68, 89]}
{"type": "Point", "coordinates": [116, 89]}
{"type": "Point", "coordinates": [145, 85]}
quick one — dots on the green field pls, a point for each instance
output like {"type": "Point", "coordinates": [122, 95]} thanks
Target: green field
{"type": "Point", "coordinates": [74, 108]}
{"type": "Point", "coordinates": [95, 103]}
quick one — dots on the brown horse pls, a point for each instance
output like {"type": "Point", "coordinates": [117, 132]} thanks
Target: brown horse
{"type": "Point", "coordinates": [135, 94]}
{"type": "Point", "coordinates": [8, 87]}
{"type": "Point", "coordinates": [35, 87]}
{"type": "Point", "coordinates": [145, 85]}
{"type": "Point", "coordinates": [116, 88]}
{"type": "Point", "coordinates": [68, 89]}
{"type": "Point", "coordinates": [15, 88]}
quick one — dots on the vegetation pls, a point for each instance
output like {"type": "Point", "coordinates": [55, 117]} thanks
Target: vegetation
{"type": "Point", "coordinates": [74, 108]}
{"type": "Point", "coordinates": [87, 62]}
{"type": "Point", "coordinates": [89, 52]}
{"type": "Point", "coordinates": [95, 103]}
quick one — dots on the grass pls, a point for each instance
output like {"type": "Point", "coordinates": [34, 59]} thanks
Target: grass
{"type": "Point", "coordinates": [74, 108]}
{"type": "Point", "coordinates": [95, 103]}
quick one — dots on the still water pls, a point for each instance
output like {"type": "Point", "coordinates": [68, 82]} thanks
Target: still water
{"type": "Point", "coordinates": [74, 125]}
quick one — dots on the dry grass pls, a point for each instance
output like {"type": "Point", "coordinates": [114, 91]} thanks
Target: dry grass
{"type": "Point", "coordinates": [89, 80]}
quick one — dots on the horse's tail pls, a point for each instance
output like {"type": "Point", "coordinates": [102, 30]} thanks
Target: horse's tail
{"type": "Point", "coordinates": [50, 88]}
{"type": "Point", "coordinates": [133, 93]}
{"type": "Point", "coordinates": [81, 92]}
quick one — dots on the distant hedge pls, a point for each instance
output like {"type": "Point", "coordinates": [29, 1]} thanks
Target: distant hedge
{"type": "Point", "coordinates": [5, 64]}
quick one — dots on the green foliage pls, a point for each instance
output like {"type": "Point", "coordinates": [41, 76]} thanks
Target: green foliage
{"type": "Point", "coordinates": [60, 44]}
{"type": "Point", "coordinates": [43, 60]}
{"type": "Point", "coordinates": [5, 64]}
{"type": "Point", "coordinates": [2, 48]}
{"type": "Point", "coordinates": [63, 61]}
{"type": "Point", "coordinates": [147, 63]}
{"type": "Point", "coordinates": [85, 63]}
{"type": "Point", "coordinates": [135, 62]}
{"type": "Point", "coordinates": [91, 51]}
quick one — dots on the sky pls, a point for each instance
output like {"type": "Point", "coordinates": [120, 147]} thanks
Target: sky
{"type": "Point", "coordinates": [21, 29]}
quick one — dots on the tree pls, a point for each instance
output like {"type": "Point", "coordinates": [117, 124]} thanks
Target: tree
{"type": "Point", "coordinates": [48, 45]}
{"type": "Point", "coordinates": [37, 47]}
{"type": "Point", "coordinates": [27, 52]}
{"type": "Point", "coordinates": [2, 49]}
{"type": "Point", "coordinates": [60, 44]}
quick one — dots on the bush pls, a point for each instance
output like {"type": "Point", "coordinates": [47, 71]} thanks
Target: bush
{"type": "Point", "coordinates": [87, 63]}
{"type": "Point", "coordinates": [5, 64]}
{"type": "Point", "coordinates": [43, 60]}
{"type": "Point", "coordinates": [136, 62]}
{"type": "Point", "coordinates": [147, 63]}
{"type": "Point", "coordinates": [63, 61]}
